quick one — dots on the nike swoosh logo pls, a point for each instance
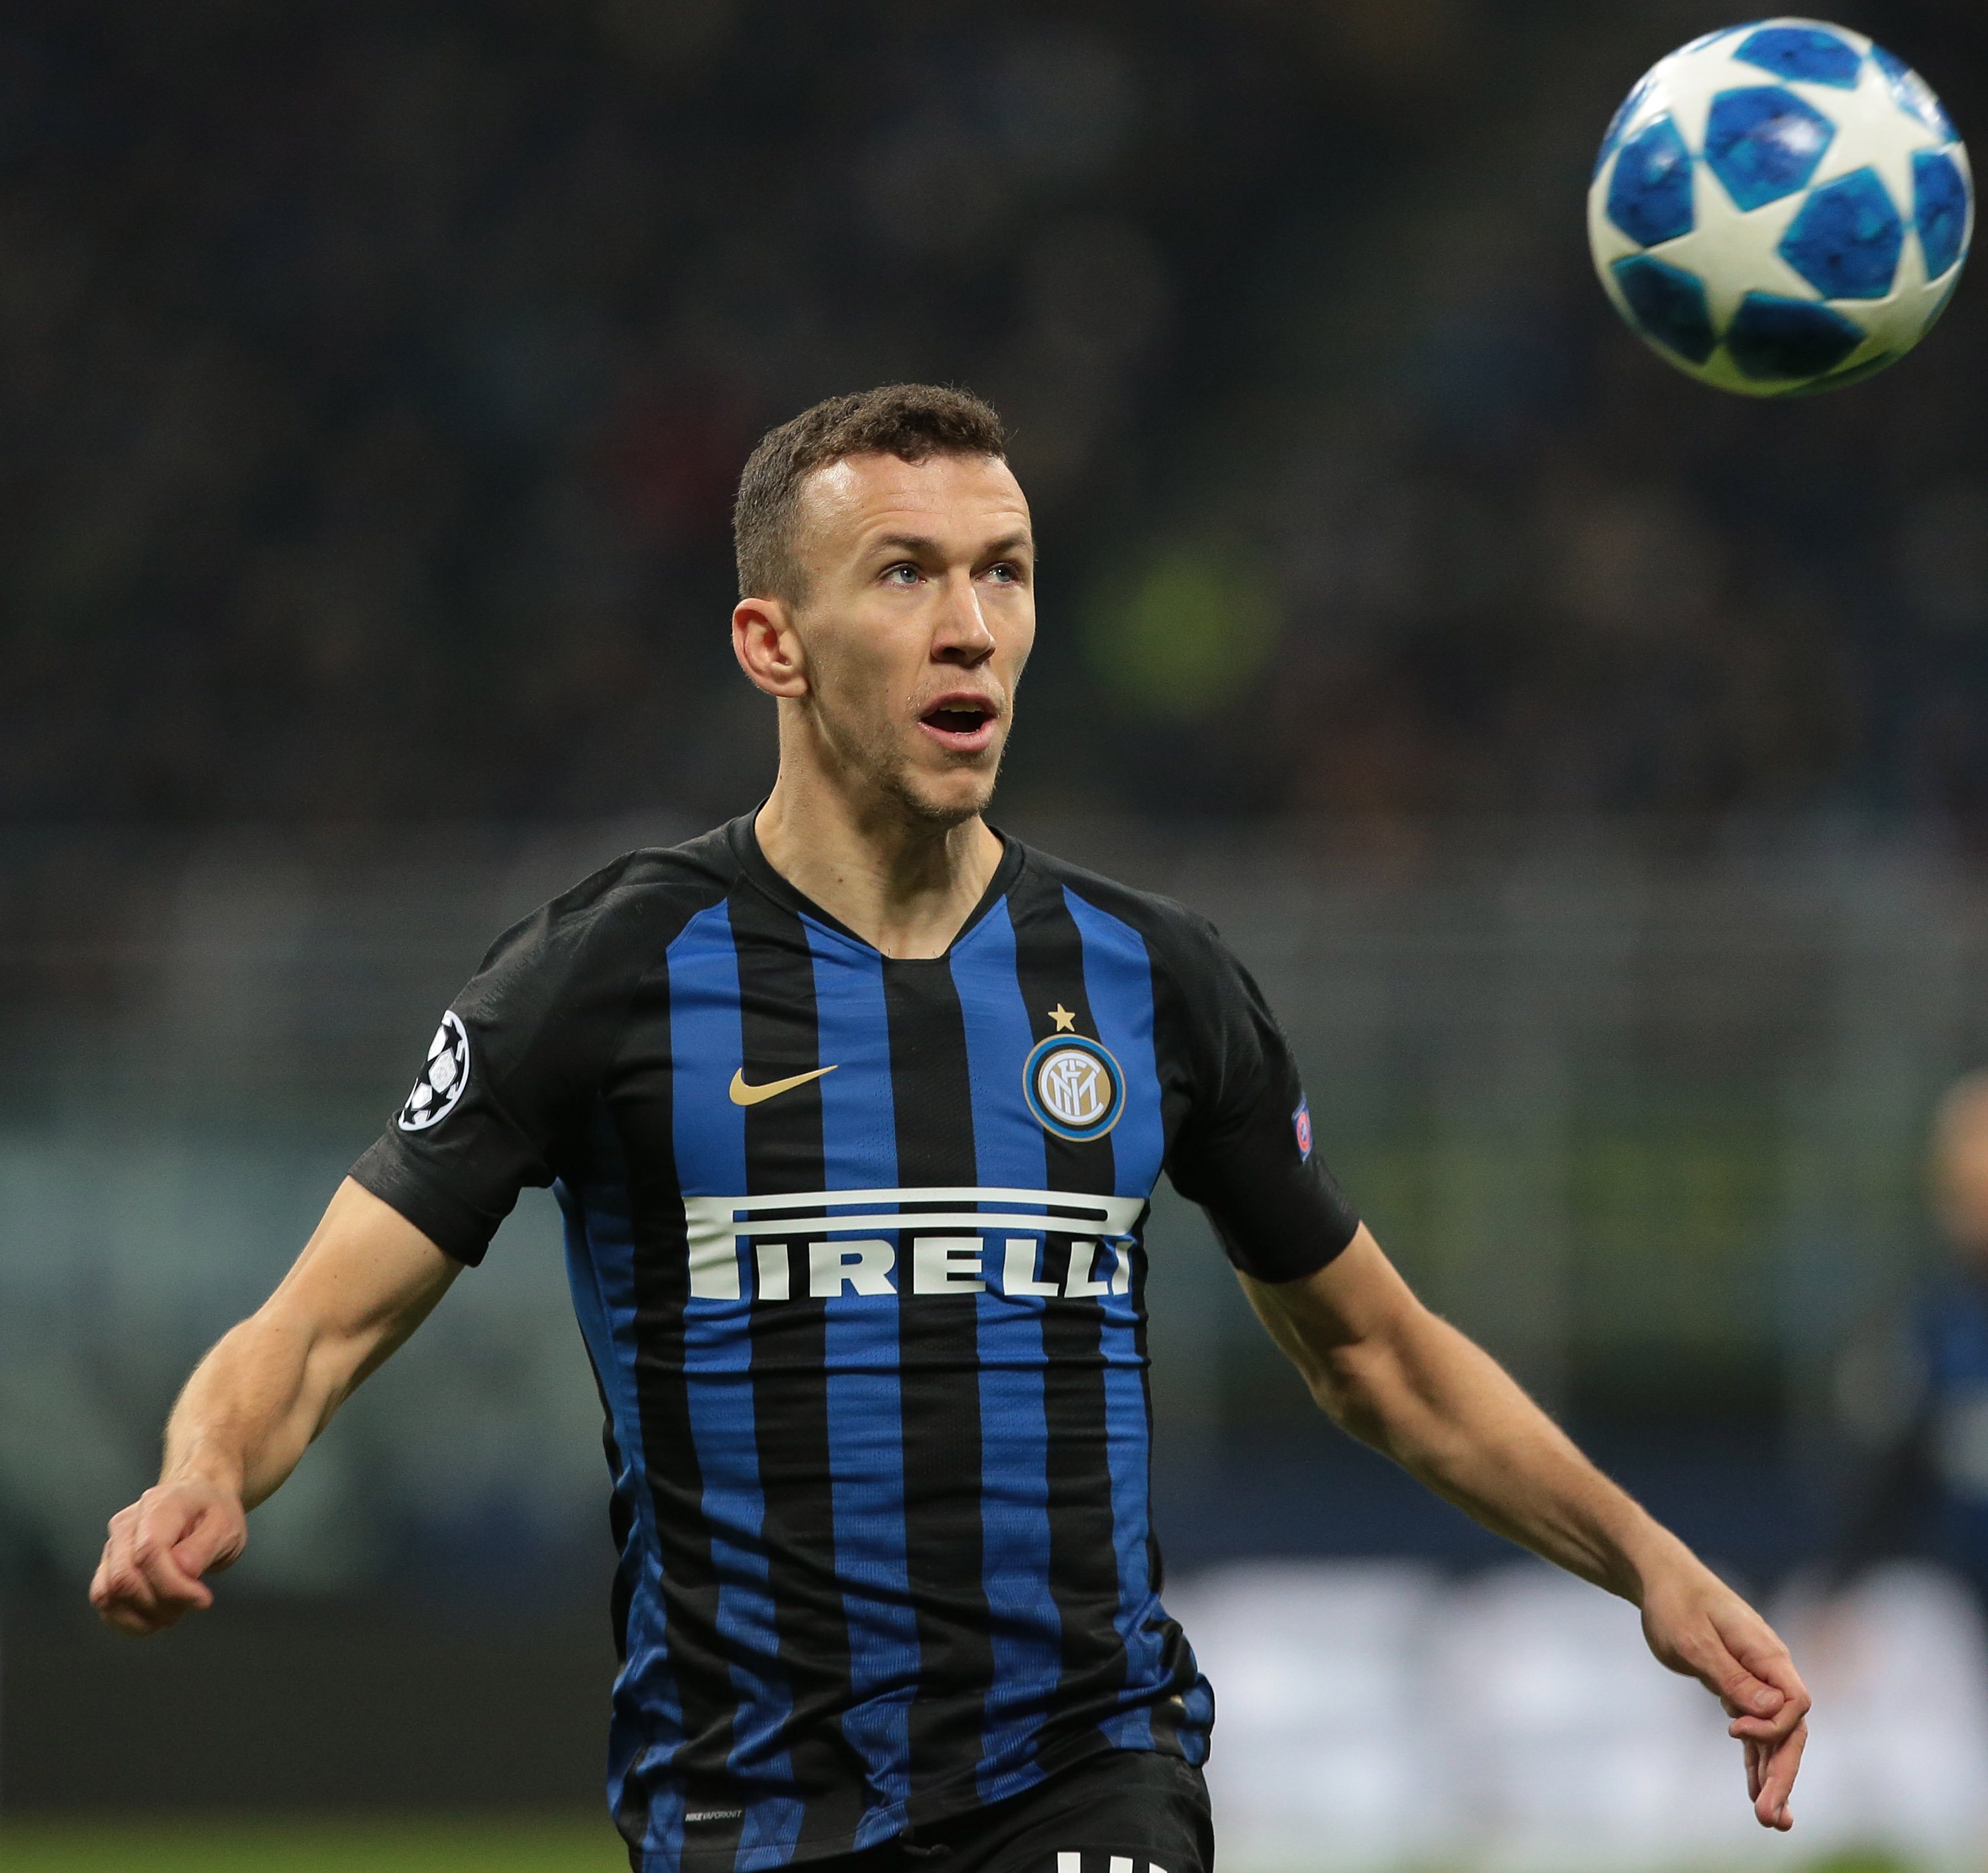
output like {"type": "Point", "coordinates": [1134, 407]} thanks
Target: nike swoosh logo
{"type": "Point", "coordinates": [745, 1095]}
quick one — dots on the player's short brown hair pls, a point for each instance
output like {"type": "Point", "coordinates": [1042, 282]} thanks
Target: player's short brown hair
{"type": "Point", "coordinates": [912, 421]}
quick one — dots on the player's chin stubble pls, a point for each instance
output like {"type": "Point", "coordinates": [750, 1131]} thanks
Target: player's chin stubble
{"type": "Point", "coordinates": [933, 797]}
{"type": "Point", "coordinates": [876, 751]}
{"type": "Point", "coordinates": [937, 799]}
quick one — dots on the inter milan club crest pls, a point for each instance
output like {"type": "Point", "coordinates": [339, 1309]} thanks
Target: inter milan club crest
{"type": "Point", "coordinates": [441, 1085]}
{"type": "Point", "coordinates": [1074, 1086]}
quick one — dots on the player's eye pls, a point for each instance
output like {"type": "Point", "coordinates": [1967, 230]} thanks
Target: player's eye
{"type": "Point", "coordinates": [1005, 572]}
{"type": "Point", "coordinates": [904, 572]}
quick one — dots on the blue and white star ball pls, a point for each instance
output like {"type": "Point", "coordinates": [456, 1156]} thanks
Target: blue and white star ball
{"type": "Point", "coordinates": [1780, 208]}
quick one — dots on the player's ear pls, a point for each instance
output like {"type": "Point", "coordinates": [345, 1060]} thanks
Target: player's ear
{"type": "Point", "coordinates": [768, 647]}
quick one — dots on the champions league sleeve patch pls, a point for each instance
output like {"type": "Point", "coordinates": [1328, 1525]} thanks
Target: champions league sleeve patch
{"type": "Point", "coordinates": [1300, 1124]}
{"type": "Point", "coordinates": [441, 1085]}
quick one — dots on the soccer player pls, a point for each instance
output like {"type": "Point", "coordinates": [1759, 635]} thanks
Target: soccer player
{"type": "Point", "coordinates": [854, 1107]}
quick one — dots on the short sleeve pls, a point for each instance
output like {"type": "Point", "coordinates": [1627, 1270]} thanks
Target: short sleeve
{"type": "Point", "coordinates": [507, 1082]}
{"type": "Point", "coordinates": [1244, 1150]}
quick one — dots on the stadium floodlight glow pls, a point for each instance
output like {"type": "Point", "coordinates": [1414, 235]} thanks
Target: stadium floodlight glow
{"type": "Point", "coordinates": [1780, 207]}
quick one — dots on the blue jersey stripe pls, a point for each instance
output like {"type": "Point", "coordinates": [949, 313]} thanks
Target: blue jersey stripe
{"type": "Point", "coordinates": [766, 1836]}
{"type": "Point", "coordinates": [601, 1270]}
{"type": "Point", "coordinates": [708, 1130]}
{"type": "Point", "coordinates": [865, 1407]}
{"type": "Point", "coordinates": [710, 1141]}
{"type": "Point", "coordinates": [1118, 983]}
{"type": "Point", "coordinates": [1008, 1143]}
{"type": "Point", "coordinates": [1197, 1721]}
{"type": "Point", "coordinates": [1025, 1629]}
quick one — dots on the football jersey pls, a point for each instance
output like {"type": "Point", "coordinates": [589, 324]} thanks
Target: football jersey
{"type": "Point", "coordinates": [856, 1247]}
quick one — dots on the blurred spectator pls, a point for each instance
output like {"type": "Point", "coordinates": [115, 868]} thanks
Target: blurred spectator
{"type": "Point", "coordinates": [372, 383]}
{"type": "Point", "coordinates": [1914, 1399]}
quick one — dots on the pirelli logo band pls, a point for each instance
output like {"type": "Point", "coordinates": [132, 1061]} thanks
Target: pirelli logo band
{"type": "Point", "coordinates": [961, 1240]}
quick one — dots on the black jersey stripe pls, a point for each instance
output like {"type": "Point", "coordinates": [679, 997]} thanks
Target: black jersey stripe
{"type": "Point", "coordinates": [1049, 963]}
{"type": "Point", "coordinates": [865, 1414]}
{"type": "Point", "coordinates": [1118, 979]}
{"type": "Point", "coordinates": [688, 1582]}
{"type": "Point", "coordinates": [708, 1129]}
{"type": "Point", "coordinates": [1083, 1570]}
{"type": "Point", "coordinates": [1025, 1635]}
{"type": "Point", "coordinates": [620, 1512]}
{"type": "Point", "coordinates": [1181, 1723]}
{"type": "Point", "coordinates": [780, 1038]}
{"type": "Point", "coordinates": [939, 1389]}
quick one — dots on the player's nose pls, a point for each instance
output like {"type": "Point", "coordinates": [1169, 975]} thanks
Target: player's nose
{"type": "Point", "coordinates": [961, 633]}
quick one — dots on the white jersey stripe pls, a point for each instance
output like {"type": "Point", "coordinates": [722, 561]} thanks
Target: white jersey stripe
{"type": "Point", "coordinates": [1077, 1202]}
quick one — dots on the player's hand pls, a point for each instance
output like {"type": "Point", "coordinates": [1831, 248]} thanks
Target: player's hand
{"type": "Point", "coordinates": [149, 1577]}
{"type": "Point", "coordinates": [1697, 1626]}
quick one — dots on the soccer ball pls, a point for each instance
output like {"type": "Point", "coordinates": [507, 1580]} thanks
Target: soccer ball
{"type": "Point", "coordinates": [1780, 208]}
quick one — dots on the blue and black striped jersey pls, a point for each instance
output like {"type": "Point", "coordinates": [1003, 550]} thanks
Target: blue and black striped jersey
{"type": "Point", "coordinates": [856, 1247]}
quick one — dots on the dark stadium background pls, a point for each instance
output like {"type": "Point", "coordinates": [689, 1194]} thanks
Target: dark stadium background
{"type": "Point", "coordinates": [1596, 768]}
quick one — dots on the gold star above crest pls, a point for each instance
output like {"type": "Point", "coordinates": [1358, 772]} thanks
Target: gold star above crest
{"type": "Point", "coordinates": [1066, 1021]}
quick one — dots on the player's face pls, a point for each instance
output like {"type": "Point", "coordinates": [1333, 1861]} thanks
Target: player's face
{"type": "Point", "coordinates": [920, 613]}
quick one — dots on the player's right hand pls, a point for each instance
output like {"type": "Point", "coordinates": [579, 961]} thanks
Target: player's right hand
{"type": "Point", "coordinates": [149, 1577]}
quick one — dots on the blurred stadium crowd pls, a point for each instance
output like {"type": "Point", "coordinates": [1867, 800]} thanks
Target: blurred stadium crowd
{"type": "Point", "coordinates": [373, 379]}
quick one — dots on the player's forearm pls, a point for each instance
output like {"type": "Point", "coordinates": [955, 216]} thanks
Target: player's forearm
{"type": "Point", "coordinates": [251, 1409]}
{"type": "Point", "coordinates": [1425, 1395]}
{"type": "Point", "coordinates": [366, 1281]}
{"type": "Point", "coordinates": [1447, 1411]}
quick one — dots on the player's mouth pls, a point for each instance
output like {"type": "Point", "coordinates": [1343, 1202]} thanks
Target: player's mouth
{"type": "Point", "coordinates": [963, 723]}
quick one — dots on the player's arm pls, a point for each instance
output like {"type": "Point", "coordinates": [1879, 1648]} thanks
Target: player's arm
{"type": "Point", "coordinates": [1396, 1376]}
{"type": "Point", "coordinates": [366, 1279]}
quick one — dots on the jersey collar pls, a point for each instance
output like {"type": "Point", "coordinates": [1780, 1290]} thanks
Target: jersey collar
{"type": "Point", "coordinates": [744, 844]}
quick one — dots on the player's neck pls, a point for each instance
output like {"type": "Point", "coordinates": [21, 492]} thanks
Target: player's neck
{"type": "Point", "coordinates": [903, 885]}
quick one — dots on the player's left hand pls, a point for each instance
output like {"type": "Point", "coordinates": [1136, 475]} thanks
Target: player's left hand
{"type": "Point", "coordinates": [1697, 1625]}
{"type": "Point", "coordinates": [158, 1549]}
